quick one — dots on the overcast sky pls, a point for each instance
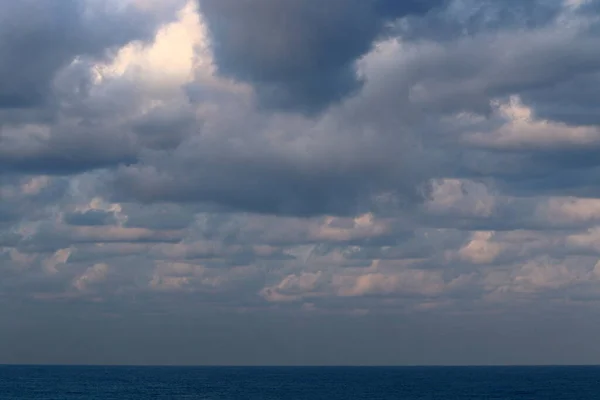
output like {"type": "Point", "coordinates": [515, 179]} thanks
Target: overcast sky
{"type": "Point", "coordinates": [300, 181]}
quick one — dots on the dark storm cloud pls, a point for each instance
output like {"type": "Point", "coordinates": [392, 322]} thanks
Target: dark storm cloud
{"type": "Point", "coordinates": [299, 54]}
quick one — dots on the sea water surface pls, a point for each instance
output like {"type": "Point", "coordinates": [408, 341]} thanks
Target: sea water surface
{"type": "Point", "coordinates": [298, 383]}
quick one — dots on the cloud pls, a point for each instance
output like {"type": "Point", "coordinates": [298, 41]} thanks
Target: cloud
{"type": "Point", "coordinates": [292, 287]}
{"type": "Point", "coordinates": [90, 218]}
{"type": "Point", "coordinates": [480, 250]}
{"type": "Point", "coordinates": [61, 150]}
{"type": "Point", "coordinates": [353, 158]}
{"type": "Point", "coordinates": [523, 133]}
{"type": "Point", "coordinates": [38, 39]}
{"type": "Point", "coordinates": [410, 281]}
{"type": "Point", "coordinates": [299, 54]}
{"type": "Point", "coordinates": [92, 275]}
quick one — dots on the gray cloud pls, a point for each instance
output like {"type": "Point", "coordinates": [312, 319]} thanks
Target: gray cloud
{"type": "Point", "coordinates": [159, 217]}
{"type": "Point", "coordinates": [572, 101]}
{"type": "Point", "coordinates": [37, 39]}
{"type": "Point", "coordinates": [48, 51]}
{"type": "Point", "coordinates": [470, 17]}
{"type": "Point", "coordinates": [355, 162]}
{"type": "Point", "coordinates": [90, 218]}
{"type": "Point", "coordinates": [269, 186]}
{"type": "Point", "coordinates": [299, 54]}
{"type": "Point", "coordinates": [64, 152]}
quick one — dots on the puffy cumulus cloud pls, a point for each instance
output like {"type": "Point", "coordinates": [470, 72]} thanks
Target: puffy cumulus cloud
{"type": "Point", "coordinates": [349, 156]}
{"type": "Point", "coordinates": [38, 39]}
{"type": "Point", "coordinates": [94, 274]}
{"type": "Point", "coordinates": [523, 132]}
{"type": "Point", "coordinates": [568, 211]}
{"type": "Point", "coordinates": [551, 278]}
{"type": "Point", "coordinates": [50, 103]}
{"type": "Point", "coordinates": [460, 197]}
{"type": "Point", "coordinates": [293, 287]}
{"type": "Point", "coordinates": [407, 282]}
{"type": "Point", "coordinates": [480, 249]}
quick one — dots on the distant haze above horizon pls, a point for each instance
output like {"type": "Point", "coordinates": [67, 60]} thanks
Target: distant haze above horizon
{"type": "Point", "coordinates": [300, 182]}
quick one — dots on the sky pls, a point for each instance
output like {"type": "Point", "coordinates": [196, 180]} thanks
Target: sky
{"type": "Point", "coordinates": [299, 182]}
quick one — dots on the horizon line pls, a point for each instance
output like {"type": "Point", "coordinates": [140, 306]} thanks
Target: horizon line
{"type": "Point", "coordinates": [282, 366]}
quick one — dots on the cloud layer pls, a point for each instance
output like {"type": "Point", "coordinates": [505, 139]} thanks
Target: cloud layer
{"type": "Point", "coordinates": [353, 158]}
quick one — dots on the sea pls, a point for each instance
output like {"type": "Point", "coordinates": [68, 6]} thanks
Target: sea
{"type": "Point", "coordinates": [298, 383]}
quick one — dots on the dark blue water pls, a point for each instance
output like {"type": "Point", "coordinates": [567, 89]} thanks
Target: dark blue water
{"type": "Point", "coordinates": [445, 383]}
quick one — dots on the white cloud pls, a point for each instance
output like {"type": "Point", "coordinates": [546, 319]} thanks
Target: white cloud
{"type": "Point", "coordinates": [569, 210]}
{"type": "Point", "coordinates": [523, 131]}
{"type": "Point", "coordinates": [60, 257]}
{"type": "Point", "coordinates": [361, 227]}
{"type": "Point", "coordinates": [410, 281]}
{"type": "Point", "coordinates": [481, 249]}
{"type": "Point", "coordinates": [92, 275]}
{"type": "Point", "coordinates": [460, 197]}
{"type": "Point", "coordinates": [293, 287]}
